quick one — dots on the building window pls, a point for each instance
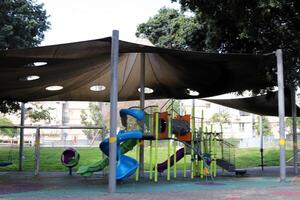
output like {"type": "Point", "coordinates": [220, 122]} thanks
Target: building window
{"type": "Point", "coordinates": [242, 127]}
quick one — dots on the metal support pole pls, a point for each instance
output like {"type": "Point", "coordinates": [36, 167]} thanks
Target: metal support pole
{"type": "Point", "coordinates": [142, 105]}
{"type": "Point", "coordinates": [211, 149]}
{"type": "Point", "coordinates": [169, 148]}
{"type": "Point", "coordinates": [261, 143]}
{"type": "Point", "coordinates": [202, 144]}
{"type": "Point", "coordinates": [175, 158]}
{"type": "Point", "coordinates": [21, 147]}
{"type": "Point", "coordinates": [37, 152]}
{"type": "Point", "coordinates": [184, 161]}
{"type": "Point", "coordinates": [192, 140]}
{"type": "Point", "coordinates": [150, 161]}
{"type": "Point", "coordinates": [174, 146]}
{"type": "Point", "coordinates": [215, 154]}
{"type": "Point", "coordinates": [137, 155]}
{"type": "Point", "coordinates": [294, 115]}
{"type": "Point", "coordinates": [281, 113]}
{"type": "Point", "coordinates": [157, 125]}
{"type": "Point", "coordinates": [113, 111]}
{"type": "Point", "coordinates": [152, 130]}
{"type": "Point", "coordinates": [64, 121]}
{"type": "Point", "coordinates": [222, 147]}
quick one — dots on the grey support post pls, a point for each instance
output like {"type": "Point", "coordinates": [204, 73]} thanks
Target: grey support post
{"type": "Point", "coordinates": [142, 105]}
{"type": "Point", "coordinates": [294, 115]}
{"type": "Point", "coordinates": [113, 111]}
{"type": "Point", "coordinates": [21, 147]}
{"type": "Point", "coordinates": [261, 143]}
{"type": "Point", "coordinates": [37, 148]}
{"type": "Point", "coordinates": [281, 113]}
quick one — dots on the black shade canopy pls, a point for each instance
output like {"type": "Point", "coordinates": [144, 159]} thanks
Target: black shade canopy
{"type": "Point", "coordinates": [78, 66]}
{"type": "Point", "coordinates": [266, 105]}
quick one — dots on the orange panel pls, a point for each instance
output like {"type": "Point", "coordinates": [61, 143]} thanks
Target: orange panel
{"type": "Point", "coordinates": [187, 137]}
{"type": "Point", "coordinates": [163, 128]}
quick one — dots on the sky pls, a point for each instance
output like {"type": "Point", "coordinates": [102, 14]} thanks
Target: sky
{"type": "Point", "coordinates": [78, 20]}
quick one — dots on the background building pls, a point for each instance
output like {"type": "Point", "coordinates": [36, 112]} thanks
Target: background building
{"type": "Point", "coordinates": [240, 125]}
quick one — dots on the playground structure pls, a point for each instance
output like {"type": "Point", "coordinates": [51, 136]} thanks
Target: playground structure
{"type": "Point", "coordinates": [199, 144]}
{"type": "Point", "coordinates": [178, 78]}
{"type": "Point", "coordinates": [70, 158]}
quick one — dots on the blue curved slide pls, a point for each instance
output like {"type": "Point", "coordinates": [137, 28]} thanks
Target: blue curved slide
{"type": "Point", "coordinates": [126, 166]}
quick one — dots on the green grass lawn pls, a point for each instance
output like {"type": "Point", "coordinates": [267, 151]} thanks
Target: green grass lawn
{"type": "Point", "coordinates": [50, 157]}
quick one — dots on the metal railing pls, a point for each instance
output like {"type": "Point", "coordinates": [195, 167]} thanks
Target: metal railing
{"type": "Point", "coordinates": [37, 143]}
{"type": "Point", "coordinates": [228, 154]}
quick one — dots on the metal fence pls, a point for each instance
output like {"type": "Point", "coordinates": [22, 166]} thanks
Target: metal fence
{"type": "Point", "coordinates": [37, 142]}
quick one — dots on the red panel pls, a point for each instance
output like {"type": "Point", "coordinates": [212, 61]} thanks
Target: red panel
{"type": "Point", "coordinates": [187, 137]}
{"type": "Point", "coordinates": [163, 128]}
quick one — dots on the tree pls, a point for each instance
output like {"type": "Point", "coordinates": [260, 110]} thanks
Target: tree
{"type": "Point", "coordinates": [169, 29]}
{"type": "Point", "coordinates": [22, 25]}
{"type": "Point", "coordinates": [92, 117]}
{"type": "Point", "coordinates": [266, 126]}
{"type": "Point", "coordinates": [38, 113]}
{"type": "Point", "coordinates": [174, 105]}
{"type": "Point", "coordinates": [289, 123]}
{"type": "Point", "coordinates": [221, 118]}
{"type": "Point", "coordinates": [10, 132]}
{"type": "Point", "coordinates": [7, 106]}
{"type": "Point", "coordinates": [178, 108]}
{"type": "Point", "coordinates": [239, 26]}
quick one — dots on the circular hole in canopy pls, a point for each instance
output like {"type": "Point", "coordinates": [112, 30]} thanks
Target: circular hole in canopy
{"type": "Point", "coordinates": [38, 64]}
{"type": "Point", "coordinates": [54, 88]}
{"type": "Point", "coordinates": [191, 92]}
{"type": "Point", "coordinates": [97, 88]}
{"type": "Point", "coordinates": [29, 78]}
{"type": "Point", "coordinates": [147, 90]}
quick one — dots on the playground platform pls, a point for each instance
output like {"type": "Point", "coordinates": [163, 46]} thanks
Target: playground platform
{"type": "Point", "coordinates": [59, 185]}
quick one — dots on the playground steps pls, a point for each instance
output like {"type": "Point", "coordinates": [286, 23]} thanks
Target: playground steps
{"type": "Point", "coordinates": [230, 167]}
{"type": "Point", "coordinates": [226, 165]}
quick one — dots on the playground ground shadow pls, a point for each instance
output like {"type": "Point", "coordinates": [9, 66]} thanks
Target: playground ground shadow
{"type": "Point", "coordinates": [23, 185]}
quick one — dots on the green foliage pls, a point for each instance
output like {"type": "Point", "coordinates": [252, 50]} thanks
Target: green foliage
{"type": "Point", "coordinates": [168, 29]}
{"type": "Point", "coordinates": [289, 123]}
{"type": "Point", "coordinates": [235, 26]}
{"type": "Point", "coordinates": [38, 113]}
{"type": "Point", "coordinates": [92, 117]}
{"type": "Point", "coordinates": [7, 106]}
{"type": "Point", "coordinates": [220, 118]}
{"type": "Point", "coordinates": [252, 27]}
{"type": "Point", "coordinates": [22, 25]}
{"type": "Point", "coordinates": [247, 26]}
{"type": "Point", "coordinates": [10, 132]}
{"type": "Point", "coordinates": [266, 126]}
{"type": "Point", "coordinates": [174, 105]}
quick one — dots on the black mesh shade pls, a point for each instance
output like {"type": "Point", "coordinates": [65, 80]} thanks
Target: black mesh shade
{"type": "Point", "coordinates": [266, 105]}
{"type": "Point", "coordinates": [79, 66]}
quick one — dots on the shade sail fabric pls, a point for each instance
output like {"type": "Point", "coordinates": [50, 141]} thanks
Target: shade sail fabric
{"type": "Point", "coordinates": [266, 105]}
{"type": "Point", "coordinates": [78, 66]}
